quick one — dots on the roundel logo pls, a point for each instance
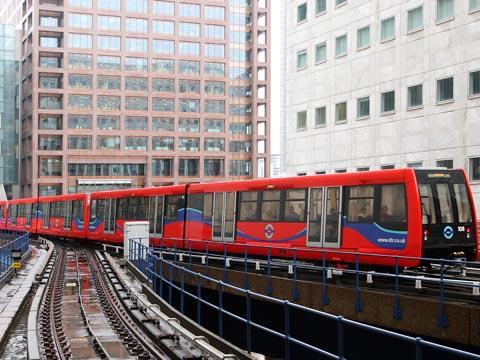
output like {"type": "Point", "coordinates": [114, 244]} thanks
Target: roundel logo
{"type": "Point", "coordinates": [448, 232]}
{"type": "Point", "coordinates": [269, 231]}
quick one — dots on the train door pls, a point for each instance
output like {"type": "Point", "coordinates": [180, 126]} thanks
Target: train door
{"type": "Point", "coordinates": [324, 217]}
{"type": "Point", "coordinates": [67, 216]}
{"type": "Point", "coordinates": [224, 216]}
{"type": "Point", "coordinates": [109, 215]}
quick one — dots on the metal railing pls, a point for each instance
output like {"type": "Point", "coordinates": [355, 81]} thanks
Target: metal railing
{"type": "Point", "coordinates": [152, 266]}
{"type": "Point", "coordinates": [12, 240]}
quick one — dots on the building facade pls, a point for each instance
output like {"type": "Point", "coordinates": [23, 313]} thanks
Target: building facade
{"type": "Point", "coordinates": [120, 93]}
{"type": "Point", "coordinates": [377, 84]}
{"type": "Point", "coordinates": [9, 111]}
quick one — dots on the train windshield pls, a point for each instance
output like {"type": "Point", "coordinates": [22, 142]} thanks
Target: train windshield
{"type": "Point", "coordinates": [444, 197]}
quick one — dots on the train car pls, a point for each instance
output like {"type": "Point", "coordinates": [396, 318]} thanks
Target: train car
{"type": "Point", "coordinates": [3, 215]}
{"type": "Point", "coordinates": [377, 212]}
{"type": "Point", "coordinates": [162, 206]}
{"type": "Point", "coordinates": [22, 215]}
{"type": "Point", "coordinates": [62, 216]}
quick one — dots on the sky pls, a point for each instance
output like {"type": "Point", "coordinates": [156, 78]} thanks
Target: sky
{"type": "Point", "coordinates": [275, 83]}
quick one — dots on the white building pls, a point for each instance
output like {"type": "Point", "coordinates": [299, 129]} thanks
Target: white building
{"type": "Point", "coordinates": [383, 83]}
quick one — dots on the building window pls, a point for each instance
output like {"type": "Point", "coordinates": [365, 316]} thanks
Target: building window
{"type": "Point", "coordinates": [240, 168]}
{"type": "Point", "coordinates": [137, 6]}
{"type": "Point", "coordinates": [448, 163]}
{"type": "Point", "coordinates": [341, 47]}
{"type": "Point", "coordinates": [445, 10]}
{"type": "Point", "coordinates": [77, 81]}
{"type": "Point", "coordinates": [81, 41]}
{"type": "Point", "coordinates": [87, 4]}
{"type": "Point", "coordinates": [387, 167]}
{"type": "Point", "coordinates": [165, 66]}
{"type": "Point", "coordinates": [110, 23]}
{"type": "Point", "coordinates": [163, 143]}
{"type": "Point", "coordinates": [166, 8]}
{"type": "Point", "coordinates": [474, 5]}
{"type": "Point", "coordinates": [108, 102]}
{"type": "Point", "coordinates": [387, 29]}
{"type": "Point", "coordinates": [50, 166]}
{"type": "Point", "coordinates": [301, 120]}
{"type": "Point", "coordinates": [189, 29]}
{"type": "Point", "coordinates": [340, 171]}
{"type": "Point", "coordinates": [474, 169]}
{"type": "Point", "coordinates": [105, 122]}
{"type": "Point", "coordinates": [105, 42]}
{"type": "Point", "coordinates": [301, 12]}
{"type": "Point", "coordinates": [214, 87]}
{"type": "Point", "coordinates": [239, 146]}
{"type": "Point", "coordinates": [415, 165]}
{"type": "Point", "coordinates": [214, 144]}
{"type": "Point", "coordinates": [341, 112]}
{"type": "Point", "coordinates": [189, 105]}
{"type": "Point", "coordinates": [214, 106]}
{"type": "Point", "coordinates": [164, 27]}
{"type": "Point", "coordinates": [136, 25]}
{"type": "Point", "coordinates": [108, 142]}
{"type": "Point", "coordinates": [79, 142]}
{"type": "Point", "coordinates": [363, 107]}
{"type": "Point", "coordinates": [363, 168]}
{"type": "Point", "coordinates": [136, 143]}
{"type": "Point", "coordinates": [320, 53]}
{"type": "Point", "coordinates": [48, 190]}
{"type": "Point", "coordinates": [113, 5]}
{"type": "Point", "coordinates": [166, 124]}
{"type": "Point", "coordinates": [136, 64]}
{"type": "Point", "coordinates": [215, 50]}
{"type": "Point", "coordinates": [189, 125]}
{"type": "Point", "coordinates": [214, 69]}
{"type": "Point", "coordinates": [50, 102]}
{"type": "Point", "coordinates": [162, 167]}
{"type": "Point", "coordinates": [189, 48]}
{"type": "Point", "coordinates": [415, 19]}
{"type": "Point", "coordinates": [301, 59]}
{"type": "Point", "coordinates": [163, 85]}
{"type": "Point", "coordinates": [108, 82]}
{"type": "Point", "coordinates": [340, 2]}
{"type": "Point", "coordinates": [136, 103]}
{"type": "Point", "coordinates": [445, 89]}
{"type": "Point", "coordinates": [214, 126]}
{"type": "Point", "coordinates": [474, 83]}
{"type": "Point", "coordinates": [163, 46]}
{"type": "Point", "coordinates": [136, 83]}
{"type": "Point", "coordinates": [136, 123]}
{"type": "Point", "coordinates": [136, 45]}
{"type": "Point", "coordinates": [105, 62]}
{"type": "Point", "coordinates": [218, 32]}
{"type": "Point", "coordinates": [388, 102]}
{"type": "Point", "coordinates": [80, 101]}
{"type": "Point", "coordinates": [415, 96]}
{"type": "Point", "coordinates": [189, 67]}
{"type": "Point", "coordinates": [81, 21]}
{"type": "Point", "coordinates": [188, 167]}
{"type": "Point", "coordinates": [49, 82]}
{"type": "Point", "coordinates": [189, 10]}
{"type": "Point", "coordinates": [50, 122]}
{"type": "Point", "coordinates": [49, 142]}
{"type": "Point", "coordinates": [363, 38]}
{"type": "Point", "coordinates": [214, 167]}
{"type": "Point", "coordinates": [320, 116]}
{"type": "Point", "coordinates": [79, 122]}
{"type": "Point", "coordinates": [320, 6]}
{"type": "Point", "coordinates": [214, 12]}
{"type": "Point", "coordinates": [161, 104]}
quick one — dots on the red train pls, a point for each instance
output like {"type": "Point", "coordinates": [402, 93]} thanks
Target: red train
{"type": "Point", "coordinates": [404, 212]}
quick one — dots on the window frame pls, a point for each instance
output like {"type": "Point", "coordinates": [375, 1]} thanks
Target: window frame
{"type": "Point", "coordinates": [360, 48]}
{"type": "Point", "coordinates": [411, 31]}
{"type": "Point", "coordinates": [387, 112]}
{"type": "Point", "coordinates": [409, 105]}
{"type": "Point", "coordinates": [297, 118]}
{"type": "Point", "coordinates": [446, 101]}
{"type": "Point", "coordinates": [363, 117]}
{"type": "Point", "coordinates": [394, 30]}
{"type": "Point", "coordinates": [298, 13]}
{"type": "Point", "coordinates": [450, 18]}
{"type": "Point", "coordinates": [299, 53]}
{"type": "Point", "coordinates": [472, 95]}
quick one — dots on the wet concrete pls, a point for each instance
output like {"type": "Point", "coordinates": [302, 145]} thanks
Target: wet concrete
{"type": "Point", "coordinates": [75, 329]}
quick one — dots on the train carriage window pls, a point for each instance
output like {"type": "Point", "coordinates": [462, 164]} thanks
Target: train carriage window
{"type": "Point", "coordinates": [28, 213]}
{"type": "Point", "coordinates": [295, 205]}
{"type": "Point", "coordinates": [173, 204]}
{"type": "Point", "coordinates": [93, 210]}
{"type": "Point", "coordinates": [46, 216]}
{"type": "Point", "coordinates": [463, 203]}
{"type": "Point", "coordinates": [393, 204]}
{"type": "Point", "coordinates": [207, 207]}
{"type": "Point", "coordinates": [151, 214]}
{"type": "Point", "coordinates": [445, 202]}
{"type": "Point", "coordinates": [360, 204]}
{"type": "Point", "coordinates": [428, 207]}
{"type": "Point", "coordinates": [12, 214]}
{"type": "Point", "coordinates": [271, 205]}
{"type": "Point", "coordinates": [249, 206]}
{"type": "Point", "coordinates": [77, 211]}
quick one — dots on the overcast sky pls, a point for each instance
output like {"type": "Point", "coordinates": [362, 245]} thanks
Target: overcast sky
{"type": "Point", "coordinates": [275, 83]}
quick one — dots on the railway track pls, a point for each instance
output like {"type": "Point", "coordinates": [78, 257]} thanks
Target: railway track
{"type": "Point", "coordinates": [80, 318]}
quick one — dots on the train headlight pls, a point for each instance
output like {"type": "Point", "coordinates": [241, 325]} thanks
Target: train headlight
{"type": "Point", "coordinates": [425, 235]}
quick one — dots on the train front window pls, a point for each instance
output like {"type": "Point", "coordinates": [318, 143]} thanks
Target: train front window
{"type": "Point", "coordinates": [393, 204]}
{"type": "Point", "coordinates": [463, 203]}
{"type": "Point", "coordinates": [428, 209]}
{"type": "Point", "coordinates": [445, 202]}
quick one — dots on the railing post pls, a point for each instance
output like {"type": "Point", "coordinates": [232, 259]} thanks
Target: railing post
{"type": "Point", "coordinates": [160, 258]}
{"type": "Point", "coordinates": [397, 310]}
{"type": "Point", "coordinates": [170, 268]}
{"type": "Point", "coordinates": [246, 285]}
{"type": "Point", "coordinates": [199, 297]}
{"type": "Point", "coordinates": [269, 274]}
{"type": "Point", "coordinates": [190, 260]}
{"type": "Point", "coordinates": [249, 326]}
{"type": "Point", "coordinates": [220, 309]}
{"type": "Point", "coordinates": [182, 293]}
{"type": "Point", "coordinates": [358, 299]}
{"type": "Point", "coordinates": [418, 348]}
{"type": "Point", "coordinates": [225, 272]}
{"type": "Point", "coordinates": [325, 300]}
{"type": "Point", "coordinates": [442, 318]}
{"type": "Point", "coordinates": [295, 294]}
{"type": "Point", "coordinates": [206, 259]}
{"type": "Point", "coordinates": [155, 281]}
{"type": "Point", "coordinates": [340, 335]}
{"type": "Point", "coordinates": [287, 329]}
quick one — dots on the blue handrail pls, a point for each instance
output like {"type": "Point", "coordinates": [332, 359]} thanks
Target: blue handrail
{"type": "Point", "coordinates": [141, 256]}
{"type": "Point", "coordinates": [12, 240]}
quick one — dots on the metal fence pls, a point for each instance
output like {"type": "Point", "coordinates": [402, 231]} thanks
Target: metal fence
{"type": "Point", "coordinates": [12, 240]}
{"type": "Point", "coordinates": [152, 266]}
